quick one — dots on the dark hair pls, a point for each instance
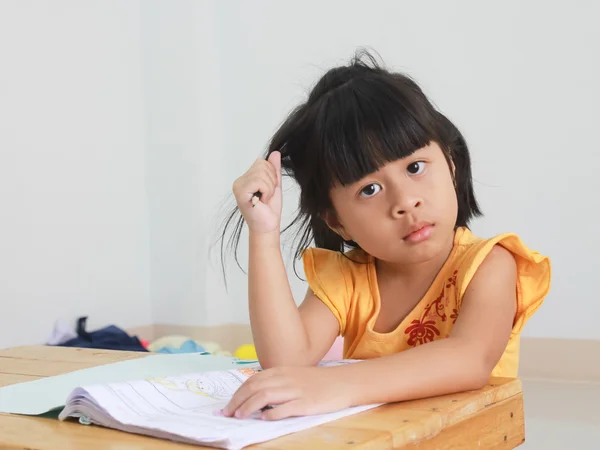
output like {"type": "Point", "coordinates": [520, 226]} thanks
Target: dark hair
{"type": "Point", "coordinates": [357, 118]}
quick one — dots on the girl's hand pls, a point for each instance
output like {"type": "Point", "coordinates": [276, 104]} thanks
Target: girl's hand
{"type": "Point", "coordinates": [292, 391]}
{"type": "Point", "coordinates": [264, 177]}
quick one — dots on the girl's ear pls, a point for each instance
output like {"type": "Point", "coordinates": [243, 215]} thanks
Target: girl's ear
{"type": "Point", "coordinates": [335, 225]}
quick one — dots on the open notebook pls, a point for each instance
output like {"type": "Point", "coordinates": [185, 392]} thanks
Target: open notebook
{"type": "Point", "coordinates": [185, 408]}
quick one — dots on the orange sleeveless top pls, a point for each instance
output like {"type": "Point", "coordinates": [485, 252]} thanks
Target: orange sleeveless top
{"type": "Point", "coordinates": [350, 291]}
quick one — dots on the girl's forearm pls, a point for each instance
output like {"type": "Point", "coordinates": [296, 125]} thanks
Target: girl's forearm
{"type": "Point", "coordinates": [437, 368]}
{"type": "Point", "coordinates": [277, 328]}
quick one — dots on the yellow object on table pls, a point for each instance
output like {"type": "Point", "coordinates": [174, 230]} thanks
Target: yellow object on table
{"type": "Point", "coordinates": [247, 351]}
{"type": "Point", "coordinates": [488, 418]}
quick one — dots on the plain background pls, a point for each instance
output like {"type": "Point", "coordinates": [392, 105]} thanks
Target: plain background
{"type": "Point", "coordinates": [124, 123]}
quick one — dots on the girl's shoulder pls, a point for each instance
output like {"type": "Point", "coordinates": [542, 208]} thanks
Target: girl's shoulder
{"type": "Point", "coordinates": [472, 249]}
{"type": "Point", "coordinates": [533, 268]}
{"type": "Point", "coordinates": [335, 263]}
{"type": "Point", "coordinates": [336, 273]}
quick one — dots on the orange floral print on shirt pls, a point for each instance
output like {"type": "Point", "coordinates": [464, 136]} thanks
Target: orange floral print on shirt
{"type": "Point", "coordinates": [424, 330]}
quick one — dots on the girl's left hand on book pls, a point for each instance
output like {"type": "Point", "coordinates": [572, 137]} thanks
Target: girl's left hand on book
{"type": "Point", "coordinates": [292, 391]}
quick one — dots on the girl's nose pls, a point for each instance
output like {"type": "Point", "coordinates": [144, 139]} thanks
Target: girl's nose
{"type": "Point", "coordinates": [406, 204]}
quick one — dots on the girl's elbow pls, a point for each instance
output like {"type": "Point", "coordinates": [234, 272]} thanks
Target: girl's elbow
{"type": "Point", "coordinates": [480, 374]}
{"type": "Point", "coordinates": [267, 360]}
{"type": "Point", "coordinates": [475, 370]}
{"type": "Point", "coordinates": [479, 365]}
{"type": "Point", "coordinates": [480, 380]}
{"type": "Point", "coordinates": [266, 363]}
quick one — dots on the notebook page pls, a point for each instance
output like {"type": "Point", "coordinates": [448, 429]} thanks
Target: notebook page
{"type": "Point", "coordinates": [186, 408]}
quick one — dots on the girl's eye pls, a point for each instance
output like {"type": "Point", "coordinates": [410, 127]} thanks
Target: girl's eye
{"type": "Point", "coordinates": [370, 190]}
{"type": "Point", "coordinates": [416, 168]}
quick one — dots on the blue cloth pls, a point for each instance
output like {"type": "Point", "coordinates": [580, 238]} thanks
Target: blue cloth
{"type": "Point", "coordinates": [189, 346]}
{"type": "Point", "coordinates": [108, 338]}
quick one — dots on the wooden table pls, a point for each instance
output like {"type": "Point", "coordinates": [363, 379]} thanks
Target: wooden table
{"type": "Point", "coordinates": [489, 418]}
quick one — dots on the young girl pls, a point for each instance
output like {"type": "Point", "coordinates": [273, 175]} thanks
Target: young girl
{"type": "Point", "coordinates": [386, 196]}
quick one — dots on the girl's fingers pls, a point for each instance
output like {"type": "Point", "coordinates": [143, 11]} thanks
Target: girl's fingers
{"type": "Point", "coordinates": [244, 392]}
{"type": "Point", "coordinates": [272, 172]}
{"type": "Point", "coordinates": [262, 167]}
{"type": "Point", "coordinates": [293, 408]}
{"type": "Point", "coordinates": [275, 162]}
{"type": "Point", "coordinates": [262, 381]}
{"type": "Point", "coordinates": [264, 177]}
{"type": "Point", "coordinates": [267, 181]}
{"type": "Point", "coordinates": [266, 398]}
{"type": "Point", "coordinates": [245, 189]}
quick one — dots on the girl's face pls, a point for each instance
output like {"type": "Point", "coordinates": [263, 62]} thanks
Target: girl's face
{"type": "Point", "coordinates": [404, 213]}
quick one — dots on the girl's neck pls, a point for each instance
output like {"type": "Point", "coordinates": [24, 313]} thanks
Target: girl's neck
{"type": "Point", "coordinates": [416, 273]}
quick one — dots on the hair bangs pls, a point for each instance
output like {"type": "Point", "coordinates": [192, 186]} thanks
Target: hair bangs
{"type": "Point", "coordinates": [363, 125]}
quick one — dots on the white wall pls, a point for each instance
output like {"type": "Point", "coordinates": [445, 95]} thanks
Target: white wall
{"type": "Point", "coordinates": [519, 78]}
{"type": "Point", "coordinates": [73, 215]}
{"type": "Point", "coordinates": [101, 101]}
{"type": "Point", "coordinates": [185, 160]}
